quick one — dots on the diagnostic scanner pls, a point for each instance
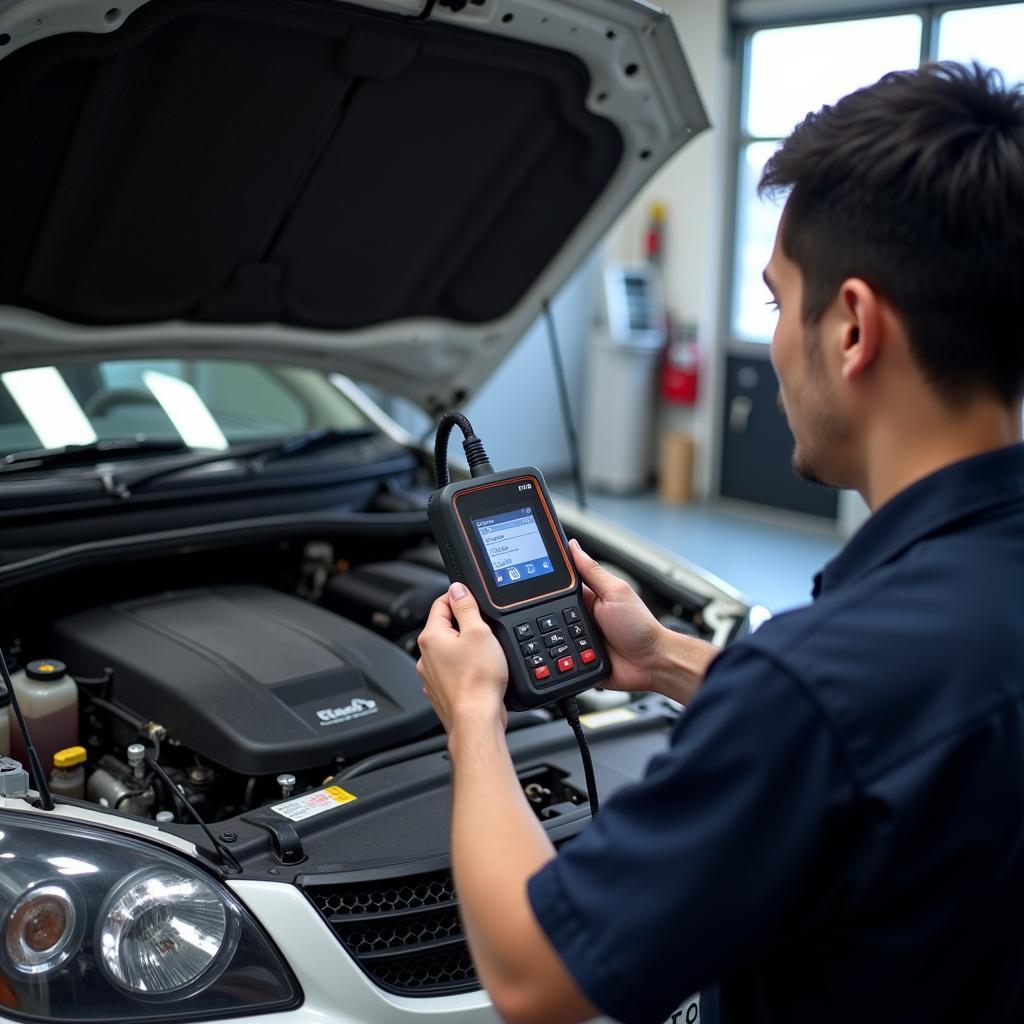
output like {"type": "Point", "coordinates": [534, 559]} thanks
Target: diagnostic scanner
{"type": "Point", "coordinates": [499, 535]}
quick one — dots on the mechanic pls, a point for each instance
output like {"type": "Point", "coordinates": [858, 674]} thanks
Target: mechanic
{"type": "Point", "coordinates": [836, 832]}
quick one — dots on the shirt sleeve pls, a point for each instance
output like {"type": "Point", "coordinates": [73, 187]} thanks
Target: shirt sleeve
{"type": "Point", "coordinates": [726, 847]}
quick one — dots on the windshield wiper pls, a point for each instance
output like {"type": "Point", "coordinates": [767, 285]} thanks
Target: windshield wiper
{"type": "Point", "coordinates": [255, 455]}
{"type": "Point", "coordinates": [312, 440]}
{"type": "Point", "coordinates": [88, 454]}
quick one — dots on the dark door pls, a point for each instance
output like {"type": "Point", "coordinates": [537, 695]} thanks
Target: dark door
{"type": "Point", "coordinates": [757, 445]}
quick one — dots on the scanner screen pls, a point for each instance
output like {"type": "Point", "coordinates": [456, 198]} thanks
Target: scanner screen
{"type": "Point", "coordinates": [514, 546]}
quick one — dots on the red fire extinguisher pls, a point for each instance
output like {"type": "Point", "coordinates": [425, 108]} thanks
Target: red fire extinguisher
{"type": "Point", "coordinates": [654, 234]}
{"type": "Point", "coordinates": [680, 374]}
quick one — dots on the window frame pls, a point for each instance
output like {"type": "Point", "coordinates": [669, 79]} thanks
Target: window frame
{"type": "Point", "coordinates": [931, 14]}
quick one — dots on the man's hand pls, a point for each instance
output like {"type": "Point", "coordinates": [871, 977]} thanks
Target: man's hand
{"type": "Point", "coordinates": [462, 666]}
{"type": "Point", "coordinates": [644, 654]}
{"type": "Point", "coordinates": [632, 635]}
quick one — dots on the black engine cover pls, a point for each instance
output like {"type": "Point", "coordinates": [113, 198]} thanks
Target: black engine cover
{"type": "Point", "coordinates": [252, 680]}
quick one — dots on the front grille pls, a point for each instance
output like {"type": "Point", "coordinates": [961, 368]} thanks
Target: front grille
{"type": "Point", "coordinates": [404, 932]}
{"type": "Point", "coordinates": [394, 895]}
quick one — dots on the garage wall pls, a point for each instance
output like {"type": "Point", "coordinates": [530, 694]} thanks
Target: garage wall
{"type": "Point", "coordinates": [519, 405]}
{"type": "Point", "coordinates": [695, 189]}
{"type": "Point", "coordinates": [517, 413]}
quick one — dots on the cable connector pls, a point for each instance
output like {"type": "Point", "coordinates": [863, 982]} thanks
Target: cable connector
{"type": "Point", "coordinates": [479, 463]}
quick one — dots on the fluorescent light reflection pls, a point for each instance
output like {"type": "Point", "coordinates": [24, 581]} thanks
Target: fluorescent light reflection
{"type": "Point", "coordinates": [48, 405]}
{"type": "Point", "coordinates": [186, 410]}
{"type": "Point", "coordinates": [71, 866]}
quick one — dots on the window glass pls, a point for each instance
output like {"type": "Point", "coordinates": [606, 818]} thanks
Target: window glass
{"type": "Point", "coordinates": [790, 72]}
{"type": "Point", "coordinates": [204, 403]}
{"type": "Point", "coordinates": [127, 373]}
{"type": "Point", "coordinates": [793, 71]}
{"type": "Point", "coordinates": [990, 35]}
{"type": "Point", "coordinates": [993, 36]}
{"type": "Point", "coordinates": [251, 395]}
{"type": "Point", "coordinates": [753, 320]}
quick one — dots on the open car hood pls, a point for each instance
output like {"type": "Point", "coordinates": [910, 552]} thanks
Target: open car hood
{"type": "Point", "coordinates": [390, 188]}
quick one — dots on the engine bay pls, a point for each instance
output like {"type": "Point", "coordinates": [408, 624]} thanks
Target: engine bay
{"type": "Point", "coordinates": [252, 673]}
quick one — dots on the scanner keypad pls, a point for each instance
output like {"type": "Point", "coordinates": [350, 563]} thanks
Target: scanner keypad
{"type": "Point", "coordinates": [563, 647]}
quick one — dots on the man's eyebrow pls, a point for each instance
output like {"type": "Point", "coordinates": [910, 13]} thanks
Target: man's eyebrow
{"type": "Point", "coordinates": [768, 282]}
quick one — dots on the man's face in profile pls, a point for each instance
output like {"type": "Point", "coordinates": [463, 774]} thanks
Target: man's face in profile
{"type": "Point", "coordinates": [807, 393]}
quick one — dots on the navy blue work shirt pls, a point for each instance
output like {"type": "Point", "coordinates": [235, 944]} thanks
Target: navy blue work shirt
{"type": "Point", "coordinates": [836, 832]}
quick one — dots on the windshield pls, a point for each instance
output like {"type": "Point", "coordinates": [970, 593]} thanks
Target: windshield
{"type": "Point", "coordinates": [203, 403]}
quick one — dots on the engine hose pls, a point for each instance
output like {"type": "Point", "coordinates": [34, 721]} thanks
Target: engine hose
{"type": "Point", "coordinates": [104, 681]}
{"type": "Point", "coordinates": [118, 712]}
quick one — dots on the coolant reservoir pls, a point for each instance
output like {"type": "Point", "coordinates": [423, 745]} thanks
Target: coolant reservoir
{"type": "Point", "coordinates": [48, 697]}
{"type": "Point", "coordinates": [5, 729]}
{"type": "Point", "coordinates": [68, 778]}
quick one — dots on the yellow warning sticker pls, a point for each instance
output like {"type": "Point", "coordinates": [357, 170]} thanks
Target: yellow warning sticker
{"type": "Point", "coordinates": [613, 716]}
{"type": "Point", "coordinates": [310, 804]}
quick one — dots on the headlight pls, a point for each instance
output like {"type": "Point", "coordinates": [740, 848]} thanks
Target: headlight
{"type": "Point", "coordinates": [162, 932]}
{"type": "Point", "coordinates": [97, 926]}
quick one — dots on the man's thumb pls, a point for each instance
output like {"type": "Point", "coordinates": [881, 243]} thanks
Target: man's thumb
{"type": "Point", "coordinates": [463, 604]}
{"type": "Point", "coordinates": [599, 579]}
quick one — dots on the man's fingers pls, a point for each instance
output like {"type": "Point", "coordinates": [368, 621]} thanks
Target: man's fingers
{"type": "Point", "coordinates": [439, 619]}
{"type": "Point", "coordinates": [589, 597]}
{"type": "Point", "coordinates": [600, 580]}
{"type": "Point", "coordinates": [465, 607]}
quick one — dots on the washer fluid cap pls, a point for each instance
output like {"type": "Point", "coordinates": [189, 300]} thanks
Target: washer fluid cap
{"type": "Point", "coordinates": [46, 670]}
{"type": "Point", "coordinates": [69, 757]}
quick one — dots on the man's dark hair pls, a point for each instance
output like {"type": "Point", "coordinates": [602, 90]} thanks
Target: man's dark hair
{"type": "Point", "coordinates": [916, 185]}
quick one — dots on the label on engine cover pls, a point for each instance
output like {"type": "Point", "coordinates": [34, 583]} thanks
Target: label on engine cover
{"type": "Point", "coordinates": [610, 716]}
{"type": "Point", "coordinates": [358, 708]}
{"type": "Point", "coordinates": [314, 803]}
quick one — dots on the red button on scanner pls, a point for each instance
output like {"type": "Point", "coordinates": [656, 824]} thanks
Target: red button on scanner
{"type": "Point", "coordinates": [566, 664]}
{"type": "Point", "coordinates": [588, 656]}
{"type": "Point", "coordinates": [541, 673]}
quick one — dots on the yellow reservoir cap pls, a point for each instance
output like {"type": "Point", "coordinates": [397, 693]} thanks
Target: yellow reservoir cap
{"type": "Point", "coordinates": [69, 757]}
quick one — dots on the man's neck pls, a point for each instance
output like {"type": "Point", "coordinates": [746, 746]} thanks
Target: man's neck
{"type": "Point", "coordinates": [901, 453]}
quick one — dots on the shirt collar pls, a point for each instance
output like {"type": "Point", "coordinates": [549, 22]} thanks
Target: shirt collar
{"type": "Point", "coordinates": [928, 506]}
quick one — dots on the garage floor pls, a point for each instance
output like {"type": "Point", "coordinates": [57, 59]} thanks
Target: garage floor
{"type": "Point", "coordinates": [771, 562]}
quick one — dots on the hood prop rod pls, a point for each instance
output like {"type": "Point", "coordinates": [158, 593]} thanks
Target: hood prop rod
{"type": "Point", "coordinates": [227, 858]}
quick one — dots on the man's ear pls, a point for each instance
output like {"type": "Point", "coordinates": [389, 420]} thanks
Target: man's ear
{"type": "Point", "coordinates": [861, 327]}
